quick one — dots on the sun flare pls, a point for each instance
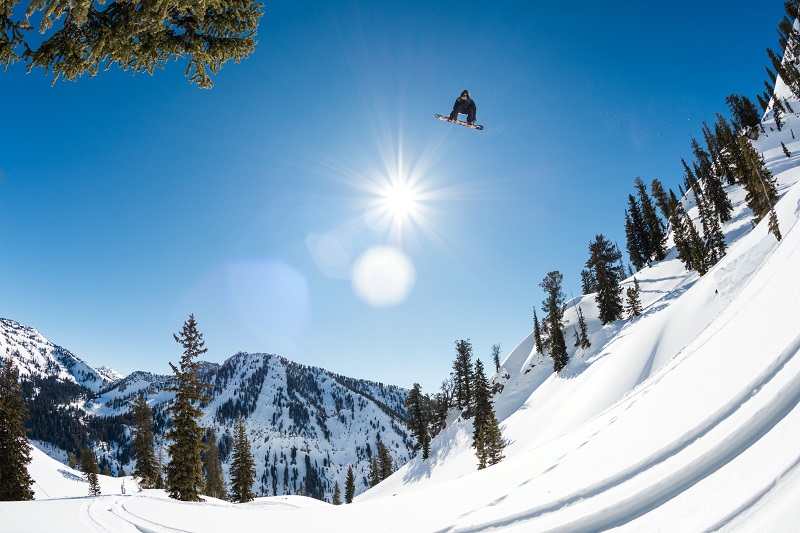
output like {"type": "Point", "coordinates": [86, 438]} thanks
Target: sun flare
{"type": "Point", "coordinates": [400, 199]}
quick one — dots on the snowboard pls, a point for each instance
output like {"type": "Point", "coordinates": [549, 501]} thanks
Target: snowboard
{"type": "Point", "coordinates": [459, 122]}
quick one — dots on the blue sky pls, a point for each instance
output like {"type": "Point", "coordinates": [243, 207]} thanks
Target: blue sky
{"type": "Point", "coordinates": [127, 203]}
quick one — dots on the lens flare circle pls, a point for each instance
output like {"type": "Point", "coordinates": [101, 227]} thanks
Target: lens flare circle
{"type": "Point", "coordinates": [383, 276]}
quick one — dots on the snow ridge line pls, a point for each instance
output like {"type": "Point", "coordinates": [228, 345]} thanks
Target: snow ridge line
{"type": "Point", "coordinates": [652, 497]}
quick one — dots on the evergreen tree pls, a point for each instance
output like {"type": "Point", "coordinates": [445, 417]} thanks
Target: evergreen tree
{"type": "Point", "coordinates": [15, 452]}
{"type": "Point", "coordinates": [636, 237]}
{"type": "Point", "coordinates": [215, 478]}
{"type": "Point", "coordinates": [588, 282]}
{"type": "Point", "coordinates": [714, 238]}
{"type": "Point", "coordinates": [374, 471]}
{"type": "Point", "coordinates": [582, 336]}
{"type": "Point", "coordinates": [486, 438]}
{"type": "Point", "coordinates": [603, 258]}
{"type": "Point", "coordinates": [633, 303]}
{"type": "Point", "coordinates": [482, 404]}
{"type": "Point", "coordinates": [661, 199]}
{"type": "Point", "coordinates": [417, 419]}
{"type": "Point", "coordinates": [72, 460]}
{"type": "Point", "coordinates": [337, 495]}
{"type": "Point", "coordinates": [732, 162]}
{"type": "Point", "coordinates": [654, 228]}
{"type": "Point", "coordinates": [537, 333]}
{"type": "Point", "coordinates": [492, 441]}
{"type": "Point", "coordinates": [744, 113]}
{"type": "Point", "coordinates": [349, 486]}
{"type": "Point", "coordinates": [462, 374]}
{"type": "Point", "coordinates": [496, 356]}
{"type": "Point", "coordinates": [185, 469]}
{"type": "Point", "coordinates": [142, 450]}
{"type": "Point", "coordinates": [385, 462]}
{"type": "Point", "coordinates": [761, 187]}
{"type": "Point", "coordinates": [695, 245]}
{"type": "Point", "coordinates": [553, 307]}
{"type": "Point", "coordinates": [712, 184]}
{"type": "Point", "coordinates": [90, 471]}
{"type": "Point", "coordinates": [137, 36]}
{"type": "Point", "coordinates": [243, 469]}
{"type": "Point", "coordinates": [786, 151]}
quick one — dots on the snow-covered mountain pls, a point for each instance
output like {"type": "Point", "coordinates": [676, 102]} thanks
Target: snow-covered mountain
{"type": "Point", "coordinates": [36, 356]}
{"type": "Point", "coordinates": [306, 425]}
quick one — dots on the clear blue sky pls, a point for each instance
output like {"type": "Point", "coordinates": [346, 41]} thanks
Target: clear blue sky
{"type": "Point", "coordinates": [128, 203]}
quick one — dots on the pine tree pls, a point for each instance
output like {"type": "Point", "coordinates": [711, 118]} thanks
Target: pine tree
{"type": "Point", "coordinates": [537, 333]}
{"type": "Point", "coordinates": [654, 227]}
{"type": "Point", "coordinates": [337, 495]}
{"type": "Point", "coordinates": [142, 450]}
{"type": "Point", "coordinates": [486, 437]}
{"type": "Point", "coordinates": [588, 282]}
{"type": "Point", "coordinates": [349, 486]}
{"type": "Point", "coordinates": [695, 245]}
{"type": "Point", "coordinates": [243, 469]}
{"type": "Point", "coordinates": [633, 303]}
{"type": "Point", "coordinates": [185, 469]}
{"type": "Point", "coordinates": [374, 471]}
{"type": "Point", "coordinates": [15, 452]}
{"type": "Point", "coordinates": [712, 184]}
{"type": "Point", "coordinates": [582, 336]}
{"type": "Point", "coordinates": [215, 478]}
{"type": "Point", "coordinates": [385, 462]}
{"type": "Point", "coordinates": [603, 258]}
{"type": "Point", "coordinates": [553, 307]}
{"type": "Point", "coordinates": [72, 460]}
{"type": "Point", "coordinates": [136, 36]}
{"type": "Point", "coordinates": [744, 113]}
{"type": "Point", "coordinates": [90, 471]}
{"type": "Point", "coordinates": [786, 151]}
{"type": "Point", "coordinates": [417, 420]}
{"type": "Point", "coordinates": [462, 374]}
{"type": "Point", "coordinates": [493, 442]}
{"type": "Point", "coordinates": [496, 356]}
{"type": "Point", "coordinates": [636, 235]}
{"type": "Point", "coordinates": [661, 199]}
{"type": "Point", "coordinates": [712, 232]}
{"type": "Point", "coordinates": [761, 187]}
{"type": "Point", "coordinates": [481, 405]}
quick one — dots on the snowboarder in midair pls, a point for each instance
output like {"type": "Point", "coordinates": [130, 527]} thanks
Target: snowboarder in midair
{"type": "Point", "coordinates": [464, 105]}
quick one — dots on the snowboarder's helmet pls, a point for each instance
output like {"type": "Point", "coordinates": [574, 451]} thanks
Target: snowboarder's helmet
{"type": "Point", "coordinates": [465, 93]}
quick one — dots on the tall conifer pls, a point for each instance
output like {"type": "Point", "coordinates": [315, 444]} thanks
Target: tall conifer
{"type": "Point", "coordinates": [243, 469]}
{"type": "Point", "coordinates": [349, 486]}
{"type": "Point", "coordinates": [462, 374]}
{"type": "Point", "coordinates": [90, 471]}
{"type": "Point", "coordinates": [603, 259]}
{"type": "Point", "coordinates": [142, 449]}
{"type": "Point", "coordinates": [185, 468]}
{"type": "Point", "coordinates": [553, 307]}
{"type": "Point", "coordinates": [215, 478]}
{"type": "Point", "coordinates": [15, 452]}
{"type": "Point", "coordinates": [418, 419]}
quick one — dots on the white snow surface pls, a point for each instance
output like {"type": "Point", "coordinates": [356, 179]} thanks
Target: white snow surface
{"type": "Point", "coordinates": [683, 419]}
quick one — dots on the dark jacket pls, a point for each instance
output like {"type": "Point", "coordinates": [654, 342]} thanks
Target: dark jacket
{"type": "Point", "coordinates": [465, 106]}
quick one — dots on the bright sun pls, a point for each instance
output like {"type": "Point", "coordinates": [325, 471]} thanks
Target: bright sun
{"type": "Point", "coordinates": [400, 199]}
